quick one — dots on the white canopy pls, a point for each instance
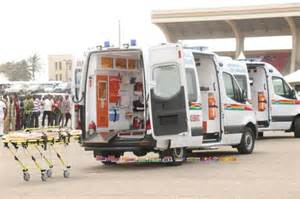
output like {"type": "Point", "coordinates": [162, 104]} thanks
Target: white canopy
{"type": "Point", "coordinates": [293, 77]}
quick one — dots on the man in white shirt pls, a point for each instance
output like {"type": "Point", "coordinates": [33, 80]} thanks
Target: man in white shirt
{"type": "Point", "coordinates": [47, 107]}
{"type": "Point", "coordinates": [2, 116]}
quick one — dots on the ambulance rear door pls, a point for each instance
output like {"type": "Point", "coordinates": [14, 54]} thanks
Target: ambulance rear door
{"type": "Point", "coordinates": [168, 93]}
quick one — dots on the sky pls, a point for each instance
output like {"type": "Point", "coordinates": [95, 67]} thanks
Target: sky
{"type": "Point", "coordinates": [73, 26]}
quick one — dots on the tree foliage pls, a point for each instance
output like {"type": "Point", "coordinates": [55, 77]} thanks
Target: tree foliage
{"type": "Point", "coordinates": [23, 70]}
{"type": "Point", "coordinates": [16, 71]}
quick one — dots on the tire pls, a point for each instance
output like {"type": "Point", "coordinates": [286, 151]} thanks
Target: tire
{"type": "Point", "coordinates": [66, 173]}
{"type": "Point", "coordinates": [49, 173]}
{"type": "Point", "coordinates": [247, 142]}
{"type": "Point", "coordinates": [297, 127]}
{"type": "Point", "coordinates": [173, 157]}
{"type": "Point", "coordinates": [26, 176]}
{"type": "Point", "coordinates": [108, 162]}
{"type": "Point", "coordinates": [44, 177]}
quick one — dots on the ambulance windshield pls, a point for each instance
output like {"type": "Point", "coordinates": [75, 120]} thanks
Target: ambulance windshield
{"type": "Point", "coordinates": [167, 80]}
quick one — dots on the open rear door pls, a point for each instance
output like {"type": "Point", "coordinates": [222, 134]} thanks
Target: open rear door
{"type": "Point", "coordinates": [260, 93]}
{"type": "Point", "coordinates": [168, 97]}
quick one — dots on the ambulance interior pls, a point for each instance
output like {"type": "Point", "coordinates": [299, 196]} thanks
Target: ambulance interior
{"type": "Point", "coordinates": [119, 97]}
{"type": "Point", "coordinates": [209, 87]}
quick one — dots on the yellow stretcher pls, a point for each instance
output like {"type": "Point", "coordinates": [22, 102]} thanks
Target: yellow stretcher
{"type": "Point", "coordinates": [41, 140]}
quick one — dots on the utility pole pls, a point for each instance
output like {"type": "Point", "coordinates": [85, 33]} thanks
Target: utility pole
{"type": "Point", "coordinates": [119, 27]}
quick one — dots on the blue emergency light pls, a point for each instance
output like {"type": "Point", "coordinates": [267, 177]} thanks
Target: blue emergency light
{"type": "Point", "coordinates": [132, 42]}
{"type": "Point", "coordinates": [106, 44]}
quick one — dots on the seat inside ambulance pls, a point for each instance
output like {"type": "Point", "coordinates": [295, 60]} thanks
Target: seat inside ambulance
{"type": "Point", "coordinates": [119, 92]}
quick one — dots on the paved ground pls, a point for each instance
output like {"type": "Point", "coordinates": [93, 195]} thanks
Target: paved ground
{"type": "Point", "coordinates": [272, 171]}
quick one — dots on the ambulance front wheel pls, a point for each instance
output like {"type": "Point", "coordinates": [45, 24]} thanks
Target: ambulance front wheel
{"type": "Point", "coordinates": [247, 142]}
{"type": "Point", "coordinates": [297, 127]}
{"type": "Point", "coordinates": [173, 157]}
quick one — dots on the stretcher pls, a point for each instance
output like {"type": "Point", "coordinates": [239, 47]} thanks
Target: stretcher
{"type": "Point", "coordinates": [40, 141]}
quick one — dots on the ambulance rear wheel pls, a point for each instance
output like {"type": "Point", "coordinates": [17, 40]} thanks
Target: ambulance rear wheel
{"type": "Point", "coordinates": [247, 143]}
{"type": "Point", "coordinates": [297, 127]}
{"type": "Point", "coordinates": [173, 157]}
{"type": "Point", "coordinates": [108, 162]}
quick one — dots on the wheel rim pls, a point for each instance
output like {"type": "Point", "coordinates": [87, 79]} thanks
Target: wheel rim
{"type": "Point", "coordinates": [178, 152]}
{"type": "Point", "coordinates": [248, 141]}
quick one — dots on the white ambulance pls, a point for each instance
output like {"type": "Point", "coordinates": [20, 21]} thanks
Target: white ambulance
{"type": "Point", "coordinates": [189, 102]}
{"type": "Point", "coordinates": [276, 104]}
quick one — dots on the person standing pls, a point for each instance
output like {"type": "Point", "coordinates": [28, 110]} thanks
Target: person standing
{"type": "Point", "coordinates": [47, 108]}
{"type": "Point", "coordinates": [18, 112]}
{"type": "Point", "coordinates": [11, 114]}
{"type": "Point", "coordinates": [2, 116]}
{"type": "Point", "coordinates": [36, 111]}
{"type": "Point", "coordinates": [6, 119]}
{"type": "Point", "coordinates": [56, 110]}
{"type": "Point", "coordinates": [28, 106]}
{"type": "Point", "coordinates": [66, 110]}
{"type": "Point", "coordinates": [22, 119]}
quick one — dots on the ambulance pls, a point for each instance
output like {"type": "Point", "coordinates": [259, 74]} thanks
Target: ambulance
{"type": "Point", "coordinates": [188, 102]}
{"type": "Point", "coordinates": [276, 104]}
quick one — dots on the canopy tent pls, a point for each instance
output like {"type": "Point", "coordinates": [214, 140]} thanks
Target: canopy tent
{"type": "Point", "coordinates": [293, 78]}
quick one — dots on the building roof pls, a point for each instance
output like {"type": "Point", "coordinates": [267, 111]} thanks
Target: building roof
{"type": "Point", "coordinates": [211, 23]}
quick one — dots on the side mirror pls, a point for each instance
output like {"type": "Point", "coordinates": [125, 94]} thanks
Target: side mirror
{"type": "Point", "coordinates": [292, 94]}
{"type": "Point", "coordinates": [243, 96]}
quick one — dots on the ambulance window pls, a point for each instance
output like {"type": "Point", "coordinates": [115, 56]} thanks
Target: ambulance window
{"type": "Point", "coordinates": [167, 80]}
{"type": "Point", "coordinates": [231, 87]}
{"type": "Point", "coordinates": [228, 85]}
{"type": "Point", "coordinates": [242, 81]}
{"type": "Point", "coordinates": [191, 84]}
{"type": "Point", "coordinates": [281, 88]}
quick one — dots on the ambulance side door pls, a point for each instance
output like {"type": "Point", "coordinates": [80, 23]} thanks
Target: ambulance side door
{"type": "Point", "coordinates": [195, 105]}
{"type": "Point", "coordinates": [235, 107]}
{"type": "Point", "coordinates": [283, 103]}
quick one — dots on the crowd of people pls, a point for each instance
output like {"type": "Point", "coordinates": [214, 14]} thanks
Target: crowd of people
{"type": "Point", "coordinates": [32, 111]}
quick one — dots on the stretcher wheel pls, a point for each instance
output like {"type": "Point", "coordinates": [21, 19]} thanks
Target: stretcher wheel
{"type": "Point", "coordinates": [44, 176]}
{"type": "Point", "coordinates": [66, 173]}
{"type": "Point", "coordinates": [49, 173]}
{"type": "Point", "coordinates": [26, 176]}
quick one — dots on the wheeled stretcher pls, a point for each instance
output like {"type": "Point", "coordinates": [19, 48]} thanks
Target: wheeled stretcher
{"type": "Point", "coordinates": [40, 141]}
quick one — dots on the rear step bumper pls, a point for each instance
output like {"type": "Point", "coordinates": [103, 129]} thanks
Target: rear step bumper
{"type": "Point", "coordinates": [121, 144]}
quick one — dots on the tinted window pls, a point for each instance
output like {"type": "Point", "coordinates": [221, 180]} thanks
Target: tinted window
{"type": "Point", "coordinates": [191, 84]}
{"type": "Point", "coordinates": [167, 80]}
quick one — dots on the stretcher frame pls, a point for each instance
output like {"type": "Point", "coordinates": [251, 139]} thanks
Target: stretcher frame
{"type": "Point", "coordinates": [41, 140]}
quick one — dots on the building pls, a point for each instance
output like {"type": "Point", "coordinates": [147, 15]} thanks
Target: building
{"type": "Point", "coordinates": [60, 67]}
{"type": "Point", "coordinates": [238, 23]}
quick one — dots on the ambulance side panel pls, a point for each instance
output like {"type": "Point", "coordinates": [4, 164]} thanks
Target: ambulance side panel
{"type": "Point", "coordinates": [285, 105]}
